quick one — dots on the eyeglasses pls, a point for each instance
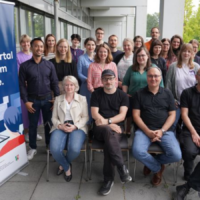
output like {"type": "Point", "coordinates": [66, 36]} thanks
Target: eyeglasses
{"type": "Point", "coordinates": [100, 33]}
{"type": "Point", "coordinates": [153, 76]}
{"type": "Point", "coordinates": [141, 56]}
{"type": "Point", "coordinates": [165, 44]}
{"type": "Point", "coordinates": [108, 79]}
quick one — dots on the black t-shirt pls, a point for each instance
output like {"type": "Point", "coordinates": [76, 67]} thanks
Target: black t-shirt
{"type": "Point", "coordinates": [109, 104]}
{"type": "Point", "coordinates": [154, 109]}
{"type": "Point", "coordinates": [161, 63]}
{"type": "Point", "coordinates": [190, 98]}
{"type": "Point", "coordinates": [116, 53]}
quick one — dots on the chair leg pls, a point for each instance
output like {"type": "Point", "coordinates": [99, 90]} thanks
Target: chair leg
{"type": "Point", "coordinates": [86, 168]}
{"type": "Point", "coordinates": [134, 169]}
{"type": "Point", "coordinates": [90, 164]}
{"type": "Point", "coordinates": [47, 179]}
{"type": "Point", "coordinates": [128, 160]}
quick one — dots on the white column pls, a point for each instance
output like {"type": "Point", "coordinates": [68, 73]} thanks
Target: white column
{"type": "Point", "coordinates": [171, 18]}
{"type": "Point", "coordinates": [141, 21]}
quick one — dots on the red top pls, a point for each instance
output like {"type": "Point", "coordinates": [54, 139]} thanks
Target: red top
{"type": "Point", "coordinates": [11, 144]}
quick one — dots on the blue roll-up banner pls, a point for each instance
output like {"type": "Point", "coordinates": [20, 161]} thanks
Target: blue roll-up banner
{"type": "Point", "coordinates": [12, 145]}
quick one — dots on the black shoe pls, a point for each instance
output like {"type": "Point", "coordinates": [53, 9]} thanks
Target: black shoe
{"type": "Point", "coordinates": [182, 191]}
{"type": "Point", "coordinates": [68, 178]}
{"type": "Point", "coordinates": [124, 174]}
{"type": "Point", "coordinates": [60, 171]}
{"type": "Point", "coordinates": [106, 188]}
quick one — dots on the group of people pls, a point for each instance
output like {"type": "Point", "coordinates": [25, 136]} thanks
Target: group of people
{"type": "Point", "coordinates": [105, 89]}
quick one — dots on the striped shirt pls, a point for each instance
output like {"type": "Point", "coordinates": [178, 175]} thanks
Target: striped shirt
{"type": "Point", "coordinates": [94, 75]}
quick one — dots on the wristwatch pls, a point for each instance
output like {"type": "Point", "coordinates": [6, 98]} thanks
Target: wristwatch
{"type": "Point", "coordinates": [109, 121]}
{"type": "Point", "coordinates": [163, 131]}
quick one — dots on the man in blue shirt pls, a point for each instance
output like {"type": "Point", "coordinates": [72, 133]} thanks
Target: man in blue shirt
{"type": "Point", "coordinates": [37, 78]}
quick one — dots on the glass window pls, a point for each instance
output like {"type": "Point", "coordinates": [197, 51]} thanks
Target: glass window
{"type": "Point", "coordinates": [63, 4]}
{"type": "Point", "coordinates": [53, 27]}
{"type": "Point", "coordinates": [29, 28]}
{"type": "Point", "coordinates": [69, 31]}
{"type": "Point", "coordinates": [69, 6]}
{"type": "Point", "coordinates": [16, 26]}
{"type": "Point", "coordinates": [38, 25]}
{"type": "Point", "coordinates": [75, 30]}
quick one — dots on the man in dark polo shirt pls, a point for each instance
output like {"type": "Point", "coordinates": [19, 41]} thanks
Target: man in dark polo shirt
{"type": "Point", "coordinates": [190, 136]}
{"type": "Point", "coordinates": [37, 78]}
{"type": "Point", "coordinates": [109, 106]}
{"type": "Point", "coordinates": [154, 113]}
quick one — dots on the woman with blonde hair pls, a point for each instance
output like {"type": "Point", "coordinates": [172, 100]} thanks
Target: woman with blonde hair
{"type": "Point", "coordinates": [70, 116]}
{"type": "Point", "coordinates": [124, 60]}
{"type": "Point", "coordinates": [49, 47]}
{"type": "Point", "coordinates": [181, 75]}
{"type": "Point", "coordinates": [23, 56]}
{"type": "Point", "coordinates": [63, 62]}
{"type": "Point", "coordinates": [102, 61]}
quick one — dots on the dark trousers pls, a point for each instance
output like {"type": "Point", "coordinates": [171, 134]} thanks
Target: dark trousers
{"type": "Point", "coordinates": [45, 106]}
{"type": "Point", "coordinates": [194, 180]}
{"type": "Point", "coordinates": [112, 151]}
{"type": "Point", "coordinates": [189, 151]}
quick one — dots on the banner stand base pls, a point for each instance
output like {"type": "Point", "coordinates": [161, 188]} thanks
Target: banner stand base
{"type": "Point", "coordinates": [14, 173]}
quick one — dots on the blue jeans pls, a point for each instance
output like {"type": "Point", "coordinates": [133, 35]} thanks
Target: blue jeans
{"type": "Point", "coordinates": [38, 105]}
{"type": "Point", "coordinates": [72, 141]}
{"type": "Point", "coordinates": [168, 143]}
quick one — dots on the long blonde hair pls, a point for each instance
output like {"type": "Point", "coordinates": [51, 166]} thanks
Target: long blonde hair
{"type": "Point", "coordinates": [185, 47]}
{"type": "Point", "coordinates": [68, 58]}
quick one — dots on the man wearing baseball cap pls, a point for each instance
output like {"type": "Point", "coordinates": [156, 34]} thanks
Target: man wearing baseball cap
{"type": "Point", "coordinates": [109, 106]}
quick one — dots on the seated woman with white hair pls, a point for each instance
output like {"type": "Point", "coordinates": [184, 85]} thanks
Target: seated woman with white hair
{"type": "Point", "coordinates": [70, 116]}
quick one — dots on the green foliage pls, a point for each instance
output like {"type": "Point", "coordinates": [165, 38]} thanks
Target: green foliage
{"type": "Point", "coordinates": [152, 21]}
{"type": "Point", "coordinates": [191, 22]}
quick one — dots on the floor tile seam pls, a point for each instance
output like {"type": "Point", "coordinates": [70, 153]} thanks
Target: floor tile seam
{"type": "Point", "coordinates": [38, 181]}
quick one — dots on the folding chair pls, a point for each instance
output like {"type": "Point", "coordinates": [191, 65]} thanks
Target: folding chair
{"type": "Point", "coordinates": [83, 149]}
{"type": "Point", "coordinates": [99, 146]}
{"type": "Point", "coordinates": [156, 149]}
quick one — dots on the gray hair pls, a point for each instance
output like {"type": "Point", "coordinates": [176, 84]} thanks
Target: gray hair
{"type": "Point", "coordinates": [128, 40]}
{"type": "Point", "coordinates": [155, 67]}
{"type": "Point", "coordinates": [71, 79]}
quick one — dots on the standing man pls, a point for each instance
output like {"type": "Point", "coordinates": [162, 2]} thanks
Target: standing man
{"type": "Point", "coordinates": [190, 135]}
{"type": "Point", "coordinates": [37, 78]}
{"type": "Point", "coordinates": [113, 42]}
{"type": "Point", "coordinates": [155, 34]}
{"type": "Point", "coordinates": [99, 33]}
{"type": "Point", "coordinates": [109, 106]}
{"type": "Point", "coordinates": [154, 113]}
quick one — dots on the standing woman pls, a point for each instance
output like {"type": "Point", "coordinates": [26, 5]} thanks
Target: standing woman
{"type": "Point", "coordinates": [63, 62]}
{"type": "Point", "coordinates": [195, 45]}
{"type": "Point", "coordinates": [176, 44]}
{"type": "Point", "coordinates": [75, 51]}
{"type": "Point", "coordinates": [181, 75]}
{"type": "Point", "coordinates": [136, 76]}
{"type": "Point", "coordinates": [49, 47]}
{"type": "Point", "coordinates": [138, 42]}
{"type": "Point", "coordinates": [102, 61]}
{"type": "Point", "coordinates": [23, 56]}
{"type": "Point", "coordinates": [70, 115]}
{"type": "Point", "coordinates": [166, 52]}
{"type": "Point", "coordinates": [124, 60]}
{"type": "Point", "coordinates": [83, 64]}
{"type": "Point", "coordinates": [155, 52]}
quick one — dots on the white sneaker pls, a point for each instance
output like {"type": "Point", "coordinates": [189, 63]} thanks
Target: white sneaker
{"type": "Point", "coordinates": [39, 137]}
{"type": "Point", "coordinates": [26, 137]}
{"type": "Point", "coordinates": [31, 154]}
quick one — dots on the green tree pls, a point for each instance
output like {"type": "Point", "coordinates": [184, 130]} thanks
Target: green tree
{"type": "Point", "coordinates": [189, 21]}
{"type": "Point", "coordinates": [152, 21]}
